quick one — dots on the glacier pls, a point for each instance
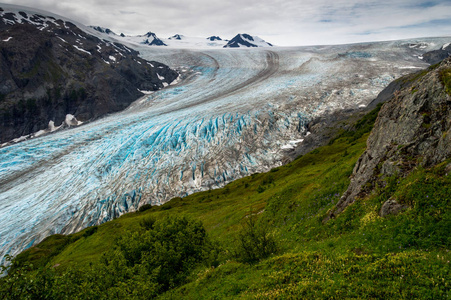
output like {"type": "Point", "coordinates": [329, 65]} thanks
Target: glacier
{"type": "Point", "coordinates": [232, 113]}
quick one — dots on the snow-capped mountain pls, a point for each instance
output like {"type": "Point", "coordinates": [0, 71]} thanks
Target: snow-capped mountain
{"type": "Point", "coordinates": [181, 41]}
{"type": "Point", "coordinates": [176, 41]}
{"type": "Point", "coordinates": [246, 40]}
{"type": "Point", "coordinates": [151, 39]}
{"type": "Point", "coordinates": [52, 69]}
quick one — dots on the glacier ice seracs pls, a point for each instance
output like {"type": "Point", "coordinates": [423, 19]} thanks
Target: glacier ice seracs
{"type": "Point", "coordinates": [230, 116]}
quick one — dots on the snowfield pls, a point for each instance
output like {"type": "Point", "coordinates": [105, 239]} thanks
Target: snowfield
{"type": "Point", "coordinates": [233, 113]}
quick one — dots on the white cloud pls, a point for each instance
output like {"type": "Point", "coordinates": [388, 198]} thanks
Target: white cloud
{"type": "Point", "coordinates": [282, 22]}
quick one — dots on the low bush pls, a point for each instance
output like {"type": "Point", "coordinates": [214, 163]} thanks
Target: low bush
{"type": "Point", "coordinates": [255, 241]}
{"type": "Point", "coordinates": [145, 207]}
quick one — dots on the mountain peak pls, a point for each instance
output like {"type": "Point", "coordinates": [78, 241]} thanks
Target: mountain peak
{"type": "Point", "coordinates": [176, 37]}
{"type": "Point", "coordinates": [153, 40]}
{"type": "Point", "coordinates": [103, 30]}
{"type": "Point", "coordinates": [150, 34]}
{"type": "Point", "coordinates": [246, 40]}
{"type": "Point", "coordinates": [214, 38]}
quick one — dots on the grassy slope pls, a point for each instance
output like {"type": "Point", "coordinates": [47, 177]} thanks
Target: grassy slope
{"type": "Point", "coordinates": [358, 254]}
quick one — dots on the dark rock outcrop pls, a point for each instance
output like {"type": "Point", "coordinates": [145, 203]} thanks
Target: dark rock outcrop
{"type": "Point", "coordinates": [392, 207]}
{"type": "Point", "coordinates": [176, 37]}
{"type": "Point", "coordinates": [436, 56]}
{"type": "Point", "coordinates": [412, 129]}
{"type": "Point", "coordinates": [214, 38]}
{"type": "Point", "coordinates": [50, 68]}
{"type": "Point", "coordinates": [103, 30]}
{"type": "Point", "coordinates": [325, 127]}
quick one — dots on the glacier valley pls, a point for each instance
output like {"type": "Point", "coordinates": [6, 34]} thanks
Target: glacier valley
{"type": "Point", "coordinates": [232, 112]}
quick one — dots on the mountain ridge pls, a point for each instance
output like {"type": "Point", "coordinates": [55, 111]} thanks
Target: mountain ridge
{"type": "Point", "coordinates": [182, 41]}
{"type": "Point", "coordinates": [65, 71]}
{"type": "Point", "coordinates": [411, 131]}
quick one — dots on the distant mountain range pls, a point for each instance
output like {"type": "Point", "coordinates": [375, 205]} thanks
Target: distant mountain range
{"type": "Point", "coordinates": [239, 41]}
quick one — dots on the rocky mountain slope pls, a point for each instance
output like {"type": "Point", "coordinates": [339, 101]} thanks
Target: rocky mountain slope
{"type": "Point", "coordinates": [51, 69]}
{"type": "Point", "coordinates": [435, 56]}
{"type": "Point", "coordinates": [412, 130]}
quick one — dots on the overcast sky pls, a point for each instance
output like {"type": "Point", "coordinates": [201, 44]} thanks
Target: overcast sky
{"type": "Point", "coordinates": [281, 22]}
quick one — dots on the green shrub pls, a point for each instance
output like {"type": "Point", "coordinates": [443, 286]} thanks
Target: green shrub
{"type": "Point", "coordinates": [168, 251]}
{"type": "Point", "coordinates": [166, 206]}
{"type": "Point", "coordinates": [147, 223]}
{"type": "Point", "coordinates": [260, 189]}
{"type": "Point", "coordinates": [255, 241]}
{"type": "Point", "coordinates": [90, 231]}
{"type": "Point", "coordinates": [145, 207]}
{"type": "Point", "coordinates": [445, 77]}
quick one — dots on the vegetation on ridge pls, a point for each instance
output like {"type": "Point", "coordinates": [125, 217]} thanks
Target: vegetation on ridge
{"type": "Point", "coordinates": [200, 247]}
{"type": "Point", "coordinates": [445, 77]}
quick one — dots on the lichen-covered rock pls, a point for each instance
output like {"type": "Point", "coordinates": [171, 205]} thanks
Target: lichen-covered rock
{"type": "Point", "coordinates": [391, 207]}
{"type": "Point", "coordinates": [412, 129]}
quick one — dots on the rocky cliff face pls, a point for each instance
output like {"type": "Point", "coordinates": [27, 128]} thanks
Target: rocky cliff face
{"type": "Point", "coordinates": [436, 56]}
{"type": "Point", "coordinates": [49, 69]}
{"type": "Point", "coordinates": [412, 129]}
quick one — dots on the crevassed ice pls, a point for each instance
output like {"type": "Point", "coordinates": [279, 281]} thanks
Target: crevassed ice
{"type": "Point", "coordinates": [230, 116]}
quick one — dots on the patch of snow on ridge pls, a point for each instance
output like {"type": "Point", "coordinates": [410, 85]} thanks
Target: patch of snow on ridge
{"type": "Point", "coordinates": [82, 50]}
{"type": "Point", "coordinates": [292, 144]}
{"type": "Point", "coordinates": [176, 81]}
{"type": "Point", "coordinates": [43, 16]}
{"type": "Point", "coordinates": [70, 120]}
{"type": "Point", "coordinates": [146, 92]}
{"type": "Point", "coordinates": [410, 67]}
{"type": "Point", "coordinates": [8, 39]}
{"type": "Point", "coordinates": [63, 40]}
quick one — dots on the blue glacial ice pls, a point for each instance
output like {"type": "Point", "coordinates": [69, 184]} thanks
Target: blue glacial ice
{"type": "Point", "coordinates": [233, 114]}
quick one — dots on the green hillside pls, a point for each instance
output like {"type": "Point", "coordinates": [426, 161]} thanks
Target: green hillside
{"type": "Point", "coordinates": [261, 237]}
